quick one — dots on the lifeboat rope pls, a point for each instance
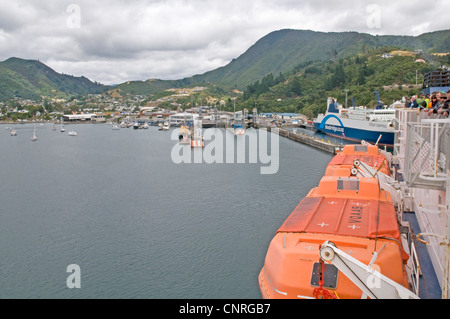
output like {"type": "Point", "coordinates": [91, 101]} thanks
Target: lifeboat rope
{"type": "Point", "coordinates": [379, 168]}
{"type": "Point", "coordinates": [378, 215]}
{"type": "Point", "coordinates": [359, 163]}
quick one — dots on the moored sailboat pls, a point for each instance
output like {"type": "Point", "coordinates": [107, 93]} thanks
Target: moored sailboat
{"type": "Point", "coordinates": [34, 138]}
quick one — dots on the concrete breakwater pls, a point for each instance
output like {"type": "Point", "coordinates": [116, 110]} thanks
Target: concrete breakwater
{"type": "Point", "coordinates": [308, 140]}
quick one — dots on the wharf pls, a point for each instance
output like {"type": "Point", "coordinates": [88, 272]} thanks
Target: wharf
{"type": "Point", "coordinates": [307, 126]}
{"type": "Point", "coordinates": [308, 140]}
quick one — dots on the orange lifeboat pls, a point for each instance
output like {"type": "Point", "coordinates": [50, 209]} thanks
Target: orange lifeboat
{"type": "Point", "coordinates": [369, 155]}
{"type": "Point", "coordinates": [353, 213]}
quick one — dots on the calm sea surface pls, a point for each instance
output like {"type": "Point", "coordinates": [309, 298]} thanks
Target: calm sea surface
{"type": "Point", "coordinates": [137, 224]}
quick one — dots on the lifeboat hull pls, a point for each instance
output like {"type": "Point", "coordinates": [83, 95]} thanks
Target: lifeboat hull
{"type": "Point", "coordinates": [353, 213]}
{"type": "Point", "coordinates": [291, 266]}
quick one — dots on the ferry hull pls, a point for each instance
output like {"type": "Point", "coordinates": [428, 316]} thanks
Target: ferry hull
{"type": "Point", "coordinates": [357, 134]}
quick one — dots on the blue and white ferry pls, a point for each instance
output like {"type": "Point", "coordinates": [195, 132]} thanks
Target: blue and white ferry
{"type": "Point", "coordinates": [357, 123]}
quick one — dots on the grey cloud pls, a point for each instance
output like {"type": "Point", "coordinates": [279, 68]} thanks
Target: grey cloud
{"type": "Point", "coordinates": [118, 40]}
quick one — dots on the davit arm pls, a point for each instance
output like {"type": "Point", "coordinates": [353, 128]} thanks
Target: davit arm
{"type": "Point", "coordinates": [374, 284]}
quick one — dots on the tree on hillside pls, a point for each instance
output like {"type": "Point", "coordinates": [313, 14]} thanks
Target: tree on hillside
{"type": "Point", "coordinates": [295, 86]}
{"type": "Point", "coordinates": [361, 77]}
{"type": "Point", "coordinates": [337, 79]}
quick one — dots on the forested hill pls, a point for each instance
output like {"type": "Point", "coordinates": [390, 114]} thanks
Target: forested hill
{"type": "Point", "coordinates": [304, 89]}
{"type": "Point", "coordinates": [280, 51]}
{"type": "Point", "coordinates": [32, 79]}
{"type": "Point", "coordinates": [283, 50]}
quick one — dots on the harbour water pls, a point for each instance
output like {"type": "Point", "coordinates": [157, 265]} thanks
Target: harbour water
{"type": "Point", "coordinates": [137, 224]}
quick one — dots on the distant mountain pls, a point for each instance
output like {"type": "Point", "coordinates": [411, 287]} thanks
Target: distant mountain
{"type": "Point", "coordinates": [281, 51]}
{"type": "Point", "coordinates": [33, 79]}
{"type": "Point", "coordinates": [278, 52]}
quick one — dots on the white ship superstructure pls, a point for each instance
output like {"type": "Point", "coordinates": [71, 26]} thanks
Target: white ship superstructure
{"type": "Point", "coordinates": [422, 157]}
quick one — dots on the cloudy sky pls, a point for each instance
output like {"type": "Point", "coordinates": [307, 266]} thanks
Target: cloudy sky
{"type": "Point", "coordinates": [113, 41]}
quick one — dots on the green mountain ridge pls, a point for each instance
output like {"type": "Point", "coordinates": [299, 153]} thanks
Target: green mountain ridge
{"type": "Point", "coordinates": [278, 52]}
{"type": "Point", "coordinates": [32, 79]}
{"type": "Point", "coordinates": [283, 50]}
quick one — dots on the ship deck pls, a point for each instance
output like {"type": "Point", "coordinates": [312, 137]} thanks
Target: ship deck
{"type": "Point", "coordinates": [428, 282]}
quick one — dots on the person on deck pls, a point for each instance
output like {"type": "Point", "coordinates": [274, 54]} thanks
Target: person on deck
{"type": "Point", "coordinates": [445, 99]}
{"type": "Point", "coordinates": [407, 101]}
{"type": "Point", "coordinates": [412, 103]}
{"type": "Point", "coordinates": [437, 105]}
{"type": "Point", "coordinates": [421, 101]}
{"type": "Point", "coordinates": [433, 101]}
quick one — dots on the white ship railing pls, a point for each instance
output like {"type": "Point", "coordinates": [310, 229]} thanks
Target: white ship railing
{"type": "Point", "coordinates": [422, 152]}
{"type": "Point", "coordinates": [422, 149]}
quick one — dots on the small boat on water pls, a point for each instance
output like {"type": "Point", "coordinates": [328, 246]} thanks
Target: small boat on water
{"type": "Point", "coordinates": [72, 133]}
{"type": "Point", "coordinates": [185, 135]}
{"type": "Point", "coordinates": [116, 127]}
{"type": "Point", "coordinates": [34, 138]}
{"type": "Point", "coordinates": [62, 126]}
{"type": "Point", "coordinates": [197, 135]}
{"type": "Point", "coordinates": [238, 125]}
{"type": "Point", "coordinates": [164, 126]}
{"type": "Point", "coordinates": [13, 132]}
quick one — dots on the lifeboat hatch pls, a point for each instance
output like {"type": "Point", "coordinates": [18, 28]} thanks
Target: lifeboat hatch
{"type": "Point", "coordinates": [330, 276]}
{"type": "Point", "coordinates": [360, 148]}
{"type": "Point", "coordinates": [348, 184]}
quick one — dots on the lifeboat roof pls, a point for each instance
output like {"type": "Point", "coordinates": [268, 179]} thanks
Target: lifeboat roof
{"type": "Point", "coordinates": [350, 187]}
{"type": "Point", "coordinates": [344, 217]}
{"type": "Point", "coordinates": [367, 154]}
{"type": "Point", "coordinates": [360, 150]}
{"type": "Point", "coordinates": [328, 212]}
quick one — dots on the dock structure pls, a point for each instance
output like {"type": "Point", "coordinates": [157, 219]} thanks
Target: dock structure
{"type": "Point", "coordinates": [326, 146]}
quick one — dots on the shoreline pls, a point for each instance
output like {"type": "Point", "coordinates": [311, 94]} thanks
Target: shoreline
{"type": "Point", "coordinates": [48, 122]}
